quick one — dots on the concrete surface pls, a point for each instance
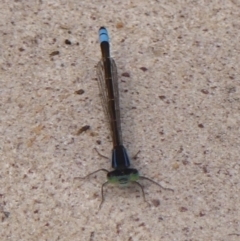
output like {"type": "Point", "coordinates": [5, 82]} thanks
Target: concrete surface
{"type": "Point", "coordinates": [180, 106]}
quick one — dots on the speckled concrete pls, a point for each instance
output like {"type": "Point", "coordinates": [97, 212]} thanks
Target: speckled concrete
{"type": "Point", "coordinates": [180, 107]}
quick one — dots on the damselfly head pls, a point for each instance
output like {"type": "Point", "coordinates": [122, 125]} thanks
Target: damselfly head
{"type": "Point", "coordinates": [123, 177]}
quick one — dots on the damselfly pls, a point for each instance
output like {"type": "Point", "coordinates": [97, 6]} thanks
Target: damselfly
{"type": "Point", "coordinates": [107, 77]}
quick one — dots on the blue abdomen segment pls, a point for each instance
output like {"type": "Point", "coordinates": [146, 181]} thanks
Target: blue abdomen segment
{"type": "Point", "coordinates": [120, 159]}
{"type": "Point", "coordinates": [103, 35]}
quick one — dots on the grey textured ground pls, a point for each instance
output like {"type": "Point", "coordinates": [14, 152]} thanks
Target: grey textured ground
{"type": "Point", "coordinates": [181, 110]}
